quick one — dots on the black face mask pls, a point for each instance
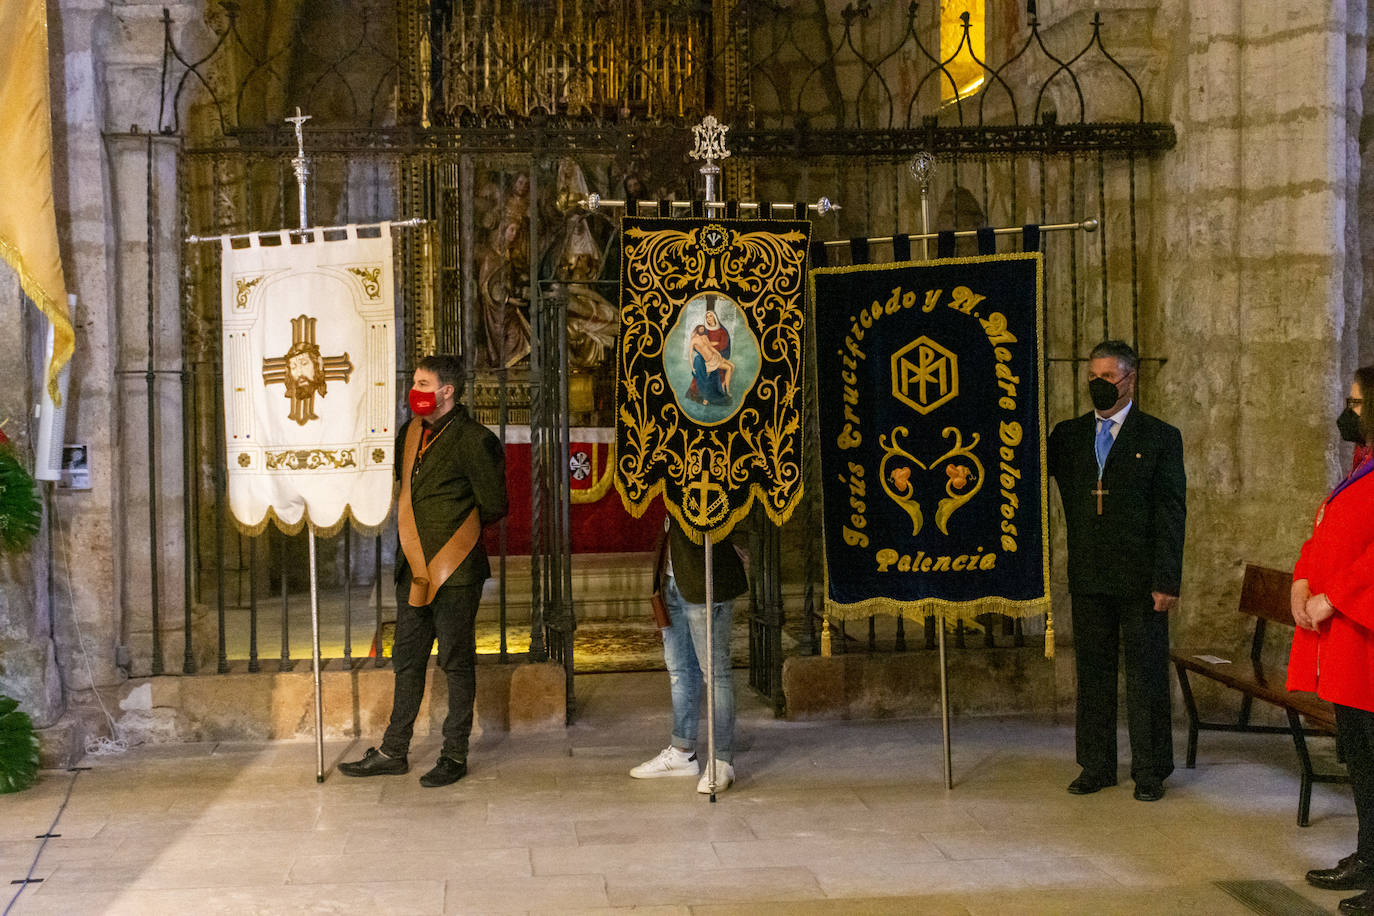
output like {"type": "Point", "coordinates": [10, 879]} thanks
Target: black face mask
{"type": "Point", "coordinates": [1103, 393]}
{"type": "Point", "coordinates": [1348, 423]}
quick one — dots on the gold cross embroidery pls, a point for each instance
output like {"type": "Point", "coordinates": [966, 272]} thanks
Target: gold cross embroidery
{"type": "Point", "coordinates": [704, 490]}
{"type": "Point", "coordinates": [304, 371]}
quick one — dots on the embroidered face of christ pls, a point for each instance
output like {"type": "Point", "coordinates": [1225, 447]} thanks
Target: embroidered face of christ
{"type": "Point", "coordinates": [304, 371]}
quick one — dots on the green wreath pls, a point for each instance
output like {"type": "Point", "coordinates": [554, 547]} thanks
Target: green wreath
{"type": "Point", "coordinates": [21, 515]}
{"type": "Point", "coordinates": [18, 747]}
{"type": "Point", "coordinates": [21, 510]}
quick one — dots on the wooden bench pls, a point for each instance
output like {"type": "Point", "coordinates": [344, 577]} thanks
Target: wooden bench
{"type": "Point", "coordinates": [1264, 595]}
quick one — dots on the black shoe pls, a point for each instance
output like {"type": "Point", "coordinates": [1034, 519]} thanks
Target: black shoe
{"type": "Point", "coordinates": [375, 763]}
{"type": "Point", "coordinates": [446, 772]}
{"type": "Point", "coordinates": [1087, 783]}
{"type": "Point", "coordinates": [1148, 790]}
{"type": "Point", "coordinates": [1350, 873]}
{"type": "Point", "coordinates": [1364, 903]}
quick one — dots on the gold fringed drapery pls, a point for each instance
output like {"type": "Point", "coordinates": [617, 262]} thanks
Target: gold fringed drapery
{"type": "Point", "coordinates": [28, 217]}
{"type": "Point", "coordinates": [709, 369]}
{"type": "Point", "coordinates": [932, 437]}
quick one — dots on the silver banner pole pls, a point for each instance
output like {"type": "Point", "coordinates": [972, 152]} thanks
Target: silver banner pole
{"type": "Point", "coordinates": [922, 168]}
{"type": "Point", "coordinates": [302, 170]}
{"type": "Point", "coordinates": [710, 146]}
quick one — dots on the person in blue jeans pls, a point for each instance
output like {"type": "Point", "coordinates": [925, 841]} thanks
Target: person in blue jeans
{"type": "Point", "coordinates": [684, 652]}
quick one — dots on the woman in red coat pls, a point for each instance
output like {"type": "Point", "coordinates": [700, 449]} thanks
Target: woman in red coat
{"type": "Point", "coordinates": [1333, 646]}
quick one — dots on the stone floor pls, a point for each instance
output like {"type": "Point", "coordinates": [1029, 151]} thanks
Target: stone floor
{"type": "Point", "coordinates": [846, 817]}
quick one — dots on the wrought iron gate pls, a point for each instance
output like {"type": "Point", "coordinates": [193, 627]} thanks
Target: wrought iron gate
{"type": "Point", "coordinates": [456, 110]}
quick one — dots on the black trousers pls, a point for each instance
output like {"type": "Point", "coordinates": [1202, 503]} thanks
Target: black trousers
{"type": "Point", "coordinates": [450, 618]}
{"type": "Point", "coordinates": [1355, 736]}
{"type": "Point", "coordinates": [1105, 626]}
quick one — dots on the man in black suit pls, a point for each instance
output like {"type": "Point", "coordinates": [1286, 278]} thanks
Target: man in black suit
{"type": "Point", "coordinates": [453, 483]}
{"type": "Point", "coordinates": [1121, 481]}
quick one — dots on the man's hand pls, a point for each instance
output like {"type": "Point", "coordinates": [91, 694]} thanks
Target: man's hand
{"type": "Point", "coordinates": [1319, 609]}
{"type": "Point", "coordinates": [1164, 602]}
{"type": "Point", "coordinates": [1298, 604]}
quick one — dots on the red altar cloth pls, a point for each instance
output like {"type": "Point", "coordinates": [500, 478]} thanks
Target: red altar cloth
{"type": "Point", "coordinates": [600, 524]}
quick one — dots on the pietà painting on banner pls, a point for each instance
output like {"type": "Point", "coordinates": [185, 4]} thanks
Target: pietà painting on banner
{"type": "Point", "coordinates": [932, 429]}
{"type": "Point", "coordinates": [709, 368]}
{"type": "Point", "coordinates": [309, 375]}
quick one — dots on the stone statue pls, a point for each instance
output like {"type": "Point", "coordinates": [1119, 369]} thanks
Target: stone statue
{"type": "Point", "coordinates": [503, 276]}
{"type": "Point", "coordinates": [592, 319]}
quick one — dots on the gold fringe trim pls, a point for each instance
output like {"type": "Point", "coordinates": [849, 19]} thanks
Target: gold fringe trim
{"type": "Point", "coordinates": [64, 337]}
{"type": "Point", "coordinates": [967, 611]}
{"type": "Point", "coordinates": [595, 492]}
{"type": "Point", "coordinates": [722, 530]}
{"type": "Point", "coordinates": [256, 529]}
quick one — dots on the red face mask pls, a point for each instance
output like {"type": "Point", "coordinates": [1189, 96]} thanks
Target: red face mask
{"type": "Point", "coordinates": [422, 403]}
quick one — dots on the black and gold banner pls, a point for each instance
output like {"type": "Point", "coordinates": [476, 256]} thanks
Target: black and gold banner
{"type": "Point", "coordinates": [932, 428]}
{"type": "Point", "coordinates": [709, 368]}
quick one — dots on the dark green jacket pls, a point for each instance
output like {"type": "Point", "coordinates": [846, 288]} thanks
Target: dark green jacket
{"type": "Point", "coordinates": [728, 578]}
{"type": "Point", "coordinates": [1136, 545]}
{"type": "Point", "coordinates": [464, 468]}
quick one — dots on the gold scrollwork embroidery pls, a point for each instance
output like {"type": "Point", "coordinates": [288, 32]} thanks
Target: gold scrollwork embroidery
{"type": "Point", "coordinates": [962, 480]}
{"type": "Point", "coordinates": [311, 459]}
{"type": "Point", "coordinates": [371, 278]}
{"type": "Point", "coordinates": [242, 287]}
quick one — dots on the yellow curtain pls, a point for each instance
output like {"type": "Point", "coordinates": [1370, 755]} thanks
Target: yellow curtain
{"type": "Point", "coordinates": [28, 219]}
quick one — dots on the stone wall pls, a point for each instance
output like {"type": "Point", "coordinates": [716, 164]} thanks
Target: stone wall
{"type": "Point", "coordinates": [105, 67]}
{"type": "Point", "coordinates": [28, 658]}
{"type": "Point", "coordinates": [355, 702]}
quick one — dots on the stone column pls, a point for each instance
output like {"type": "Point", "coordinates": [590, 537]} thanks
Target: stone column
{"type": "Point", "coordinates": [1250, 273]}
{"type": "Point", "coordinates": [88, 609]}
{"type": "Point", "coordinates": [145, 228]}
{"type": "Point", "coordinates": [107, 65]}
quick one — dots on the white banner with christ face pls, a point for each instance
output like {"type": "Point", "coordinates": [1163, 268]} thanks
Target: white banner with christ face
{"type": "Point", "coordinates": [309, 371]}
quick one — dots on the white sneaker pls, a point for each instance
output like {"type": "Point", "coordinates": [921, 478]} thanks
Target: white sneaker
{"type": "Point", "coordinates": [669, 762]}
{"type": "Point", "coordinates": [725, 778]}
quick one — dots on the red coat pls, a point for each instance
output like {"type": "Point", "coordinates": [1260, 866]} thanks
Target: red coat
{"type": "Point", "coordinates": [1337, 661]}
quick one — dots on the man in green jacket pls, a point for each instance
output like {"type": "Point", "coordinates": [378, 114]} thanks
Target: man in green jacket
{"type": "Point", "coordinates": [453, 483]}
{"type": "Point", "coordinates": [684, 648]}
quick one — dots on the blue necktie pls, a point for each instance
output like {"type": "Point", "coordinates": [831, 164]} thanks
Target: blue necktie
{"type": "Point", "coordinates": [1103, 444]}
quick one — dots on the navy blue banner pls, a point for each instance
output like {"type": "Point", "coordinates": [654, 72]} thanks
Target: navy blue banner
{"type": "Point", "coordinates": [932, 429]}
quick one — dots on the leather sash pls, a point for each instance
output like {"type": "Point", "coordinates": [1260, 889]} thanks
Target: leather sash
{"type": "Point", "coordinates": [427, 577]}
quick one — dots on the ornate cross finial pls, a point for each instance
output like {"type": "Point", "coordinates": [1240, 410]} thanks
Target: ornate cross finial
{"type": "Point", "coordinates": [298, 120]}
{"type": "Point", "coordinates": [922, 166]}
{"type": "Point", "coordinates": [299, 163]}
{"type": "Point", "coordinates": [710, 144]}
